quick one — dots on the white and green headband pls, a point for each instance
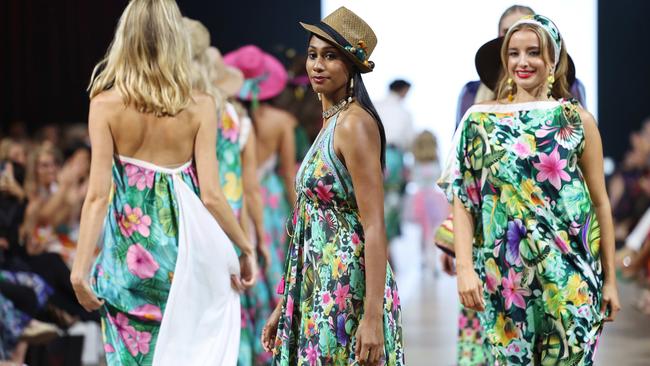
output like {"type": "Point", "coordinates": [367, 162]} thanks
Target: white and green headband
{"type": "Point", "coordinates": [548, 26]}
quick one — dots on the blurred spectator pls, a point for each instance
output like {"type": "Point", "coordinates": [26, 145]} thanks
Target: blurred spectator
{"type": "Point", "coordinates": [426, 204]}
{"type": "Point", "coordinates": [56, 192]}
{"type": "Point", "coordinates": [399, 129]}
{"type": "Point", "coordinates": [629, 189]}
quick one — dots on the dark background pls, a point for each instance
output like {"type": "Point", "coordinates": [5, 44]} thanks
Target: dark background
{"type": "Point", "coordinates": [50, 47]}
{"type": "Point", "coordinates": [623, 71]}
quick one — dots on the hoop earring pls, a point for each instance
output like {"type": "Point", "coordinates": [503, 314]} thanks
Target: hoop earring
{"type": "Point", "coordinates": [509, 87]}
{"type": "Point", "coordinates": [550, 80]}
{"type": "Point", "coordinates": [319, 96]}
{"type": "Point", "coordinates": [351, 90]}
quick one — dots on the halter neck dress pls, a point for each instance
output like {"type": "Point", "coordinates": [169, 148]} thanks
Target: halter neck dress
{"type": "Point", "coordinates": [325, 279]}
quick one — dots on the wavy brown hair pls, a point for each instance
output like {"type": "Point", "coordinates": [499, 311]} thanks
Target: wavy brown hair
{"type": "Point", "coordinates": [148, 61]}
{"type": "Point", "coordinates": [560, 86]}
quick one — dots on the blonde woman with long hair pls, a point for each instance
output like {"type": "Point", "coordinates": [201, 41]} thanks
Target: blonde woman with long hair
{"type": "Point", "coordinates": [166, 278]}
{"type": "Point", "coordinates": [533, 233]}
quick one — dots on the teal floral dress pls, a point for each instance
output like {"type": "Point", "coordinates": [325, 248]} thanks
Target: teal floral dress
{"type": "Point", "coordinates": [394, 184]}
{"type": "Point", "coordinates": [536, 241]}
{"type": "Point", "coordinates": [134, 270]}
{"type": "Point", "coordinates": [324, 286]}
{"type": "Point", "coordinates": [276, 213]}
{"type": "Point", "coordinates": [230, 178]}
{"type": "Point", "coordinates": [159, 245]}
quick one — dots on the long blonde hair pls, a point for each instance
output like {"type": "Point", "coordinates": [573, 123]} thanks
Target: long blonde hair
{"type": "Point", "coordinates": [202, 70]}
{"type": "Point", "coordinates": [148, 61]}
{"type": "Point", "coordinates": [560, 86]}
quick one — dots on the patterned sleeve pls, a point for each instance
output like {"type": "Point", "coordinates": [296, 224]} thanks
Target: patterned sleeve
{"type": "Point", "coordinates": [461, 176]}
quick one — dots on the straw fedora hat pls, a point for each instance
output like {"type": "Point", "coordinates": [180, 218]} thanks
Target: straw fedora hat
{"type": "Point", "coordinates": [349, 33]}
{"type": "Point", "coordinates": [489, 68]}
{"type": "Point", "coordinates": [228, 79]}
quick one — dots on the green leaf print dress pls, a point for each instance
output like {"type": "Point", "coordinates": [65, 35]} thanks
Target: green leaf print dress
{"type": "Point", "coordinates": [164, 272]}
{"type": "Point", "coordinates": [536, 242]}
{"type": "Point", "coordinates": [324, 283]}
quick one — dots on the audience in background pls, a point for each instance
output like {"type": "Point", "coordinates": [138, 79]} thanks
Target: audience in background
{"type": "Point", "coordinates": [42, 186]}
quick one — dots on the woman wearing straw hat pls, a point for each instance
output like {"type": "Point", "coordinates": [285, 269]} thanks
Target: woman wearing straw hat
{"type": "Point", "coordinates": [161, 238]}
{"type": "Point", "coordinates": [533, 233]}
{"type": "Point", "coordinates": [340, 303]}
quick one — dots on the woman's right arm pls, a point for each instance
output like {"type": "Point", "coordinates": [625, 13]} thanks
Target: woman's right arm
{"type": "Point", "coordinates": [470, 288]}
{"type": "Point", "coordinates": [96, 202]}
{"type": "Point", "coordinates": [212, 196]}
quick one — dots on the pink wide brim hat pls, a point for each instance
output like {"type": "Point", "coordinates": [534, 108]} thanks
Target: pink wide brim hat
{"type": "Point", "coordinates": [265, 76]}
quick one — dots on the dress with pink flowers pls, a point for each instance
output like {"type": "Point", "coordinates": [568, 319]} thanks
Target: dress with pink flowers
{"type": "Point", "coordinates": [325, 277]}
{"type": "Point", "coordinates": [515, 168]}
{"type": "Point", "coordinates": [164, 272]}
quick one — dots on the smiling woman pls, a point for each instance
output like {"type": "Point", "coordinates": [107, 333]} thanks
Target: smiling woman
{"type": "Point", "coordinates": [340, 302]}
{"type": "Point", "coordinates": [544, 252]}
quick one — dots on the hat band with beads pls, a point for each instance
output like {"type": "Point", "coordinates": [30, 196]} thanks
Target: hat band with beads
{"type": "Point", "coordinates": [359, 51]}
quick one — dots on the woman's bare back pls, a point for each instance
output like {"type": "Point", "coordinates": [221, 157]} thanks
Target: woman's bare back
{"type": "Point", "coordinates": [271, 127]}
{"type": "Point", "coordinates": [163, 141]}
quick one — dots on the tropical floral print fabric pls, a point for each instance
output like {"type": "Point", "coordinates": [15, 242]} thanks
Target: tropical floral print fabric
{"type": "Point", "coordinates": [229, 157]}
{"type": "Point", "coordinates": [276, 212]}
{"type": "Point", "coordinates": [394, 184]}
{"type": "Point", "coordinates": [230, 177]}
{"type": "Point", "coordinates": [324, 285]}
{"type": "Point", "coordinates": [134, 271]}
{"type": "Point", "coordinates": [536, 242]}
{"type": "Point", "coordinates": [472, 350]}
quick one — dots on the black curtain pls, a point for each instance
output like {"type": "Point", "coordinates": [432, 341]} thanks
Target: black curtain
{"type": "Point", "coordinates": [623, 71]}
{"type": "Point", "coordinates": [271, 25]}
{"type": "Point", "coordinates": [49, 48]}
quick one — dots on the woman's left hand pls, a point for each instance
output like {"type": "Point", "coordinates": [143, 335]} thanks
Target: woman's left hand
{"type": "Point", "coordinates": [370, 341]}
{"type": "Point", "coordinates": [610, 301]}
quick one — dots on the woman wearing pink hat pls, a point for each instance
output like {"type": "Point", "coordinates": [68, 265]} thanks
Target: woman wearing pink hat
{"type": "Point", "coordinates": [340, 303]}
{"type": "Point", "coordinates": [265, 78]}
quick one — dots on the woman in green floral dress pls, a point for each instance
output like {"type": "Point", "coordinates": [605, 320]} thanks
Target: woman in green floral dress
{"type": "Point", "coordinates": [340, 303]}
{"type": "Point", "coordinates": [526, 180]}
{"type": "Point", "coordinates": [167, 276]}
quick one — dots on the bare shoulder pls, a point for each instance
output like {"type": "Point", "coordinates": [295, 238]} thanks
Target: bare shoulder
{"type": "Point", "coordinates": [107, 100]}
{"type": "Point", "coordinates": [357, 123]}
{"type": "Point", "coordinates": [203, 105]}
{"type": "Point", "coordinates": [201, 101]}
{"type": "Point", "coordinates": [281, 116]}
{"type": "Point", "coordinates": [587, 118]}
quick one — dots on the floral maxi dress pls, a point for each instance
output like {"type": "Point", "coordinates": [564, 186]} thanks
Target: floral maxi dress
{"type": "Point", "coordinates": [324, 286]}
{"type": "Point", "coordinates": [536, 241]}
{"type": "Point", "coordinates": [164, 272]}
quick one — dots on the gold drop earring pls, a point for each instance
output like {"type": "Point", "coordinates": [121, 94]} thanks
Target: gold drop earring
{"type": "Point", "coordinates": [319, 96]}
{"type": "Point", "coordinates": [509, 87]}
{"type": "Point", "coordinates": [550, 80]}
